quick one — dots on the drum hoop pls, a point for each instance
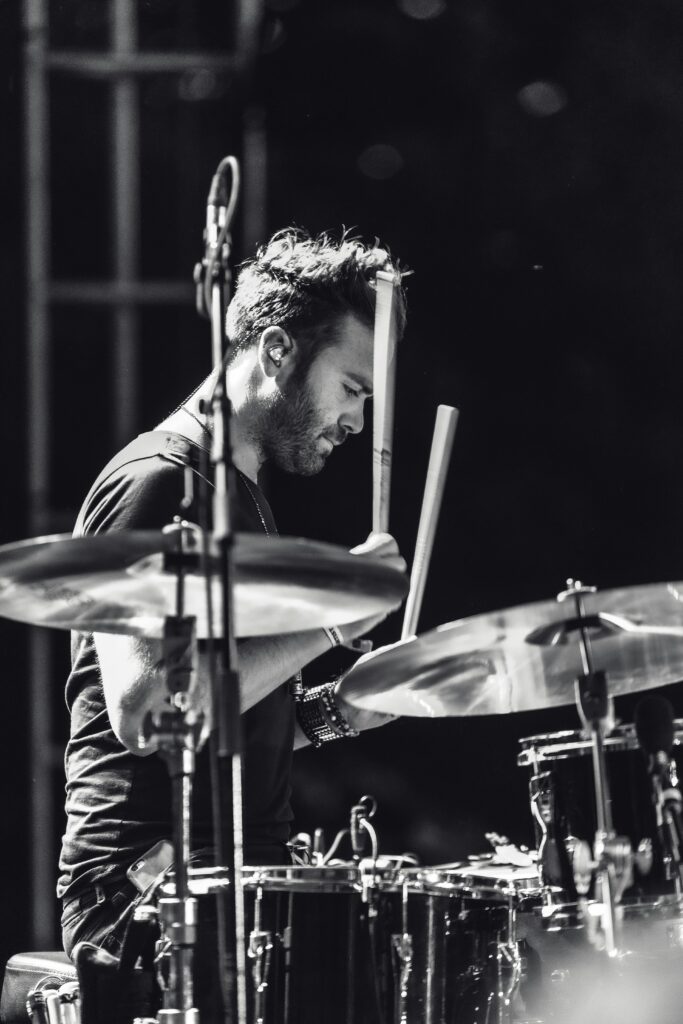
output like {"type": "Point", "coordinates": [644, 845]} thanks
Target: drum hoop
{"type": "Point", "coordinates": [663, 907]}
{"type": "Point", "coordinates": [568, 743]}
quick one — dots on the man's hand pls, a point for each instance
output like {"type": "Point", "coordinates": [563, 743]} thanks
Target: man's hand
{"type": "Point", "coordinates": [384, 547]}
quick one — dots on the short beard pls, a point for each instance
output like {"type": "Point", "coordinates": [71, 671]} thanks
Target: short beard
{"type": "Point", "coordinates": [290, 429]}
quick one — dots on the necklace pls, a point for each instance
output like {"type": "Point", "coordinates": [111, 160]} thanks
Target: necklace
{"type": "Point", "coordinates": [245, 481]}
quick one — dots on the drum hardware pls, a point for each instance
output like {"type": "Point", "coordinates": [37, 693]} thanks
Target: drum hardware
{"type": "Point", "coordinates": [655, 731]}
{"type": "Point", "coordinates": [402, 947]}
{"type": "Point", "coordinates": [554, 853]}
{"type": "Point", "coordinates": [52, 1005]}
{"type": "Point", "coordinates": [175, 735]}
{"type": "Point", "coordinates": [69, 1000]}
{"type": "Point", "coordinates": [506, 852]}
{"type": "Point", "coordinates": [318, 846]}
{"type": "Point", "coordinates": [508, 962]}
{"type": "Point", "coordinates": [360, 822]}
{"type": "Point", "coordinates": [259, 952]}
{"type": "Point", "coordinates": [612, 865]}
{"type": "Point", "coordinates": [643, 858]}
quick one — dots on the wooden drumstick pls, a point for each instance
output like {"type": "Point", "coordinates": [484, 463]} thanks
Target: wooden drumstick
{"type": "Point", "coordinates": [384, 382]}
{"type": "Point", "coordinates": [439, 458]}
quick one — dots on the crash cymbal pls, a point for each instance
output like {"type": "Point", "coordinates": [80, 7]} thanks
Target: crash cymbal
{"type": "Point", "coordinates": [526, 657]}
{"type": "Point", "coordinates": [118, 583]}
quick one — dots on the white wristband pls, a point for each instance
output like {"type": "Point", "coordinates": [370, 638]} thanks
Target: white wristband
{"type": "Point", "coordinates": [333, 635]}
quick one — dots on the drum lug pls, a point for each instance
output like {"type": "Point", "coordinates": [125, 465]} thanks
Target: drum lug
{"type": "Point", "coordinates": [402, 945]}
{"type": "Point", "coordinates": [260, 945]}
{"type": "Point", "coordinates": [643, 858]}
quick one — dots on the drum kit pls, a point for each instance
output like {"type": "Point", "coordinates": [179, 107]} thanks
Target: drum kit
{"type": "Point", "coordinates": [511, 937]}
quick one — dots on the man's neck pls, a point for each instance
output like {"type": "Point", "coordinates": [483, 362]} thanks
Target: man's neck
{"type": "Point", "coordinates": [192, 423]}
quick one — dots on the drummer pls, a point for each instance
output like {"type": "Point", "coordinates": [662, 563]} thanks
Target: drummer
{"type": "Point", "coordinates": [300, 327]}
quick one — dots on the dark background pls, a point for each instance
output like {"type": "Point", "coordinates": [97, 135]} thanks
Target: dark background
{"type": "Point", "coordinates": [526, 161]}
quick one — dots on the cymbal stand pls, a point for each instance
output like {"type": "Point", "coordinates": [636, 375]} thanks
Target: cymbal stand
{"type": "Point", "coordinates": [213, 279]}
{"type": "Point", "coordinates": [612, 857]}
{"type": "Point", "coordinates": [174, 733]}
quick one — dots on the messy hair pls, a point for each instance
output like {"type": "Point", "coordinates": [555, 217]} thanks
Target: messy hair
{"type": "Point", "coordinates": [306, 284]}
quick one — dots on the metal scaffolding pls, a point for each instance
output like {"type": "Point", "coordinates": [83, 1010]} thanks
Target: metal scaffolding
{"type": "Point", "coordinates": [122, 65]}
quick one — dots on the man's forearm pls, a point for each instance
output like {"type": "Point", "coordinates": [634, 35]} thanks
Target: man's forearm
{"type": "Point", "coordinates": [265, 662]}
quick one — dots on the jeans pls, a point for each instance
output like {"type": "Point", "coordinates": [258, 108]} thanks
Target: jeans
{"type": "Point", "coordinates": [107, 923]}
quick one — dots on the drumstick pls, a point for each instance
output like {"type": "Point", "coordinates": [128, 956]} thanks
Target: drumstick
{"type": "Point", "coordinates": [384, 380]}
{"type": "Point", "coordinates": [439, 457]}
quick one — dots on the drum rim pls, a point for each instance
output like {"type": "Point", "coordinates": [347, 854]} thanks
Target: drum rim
{"type": "Point", "coordinates": [349, 878]}
{"type": "Point", "coordinates": [568, 743]}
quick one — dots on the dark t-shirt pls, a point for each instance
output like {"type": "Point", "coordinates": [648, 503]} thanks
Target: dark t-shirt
{"type": "Point", "coordinates": [117, 803]}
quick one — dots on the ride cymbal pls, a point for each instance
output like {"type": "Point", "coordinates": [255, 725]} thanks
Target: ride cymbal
{"type": "Point", "coordinates": [526, 657]}
{"type": "Point", "coordinates": [122, 582]}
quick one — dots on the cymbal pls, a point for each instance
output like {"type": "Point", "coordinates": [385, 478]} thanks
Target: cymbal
{"type": "Point", "coordinates": [117, 583]}
{"type": "Point", "coordinates": [495, 664]}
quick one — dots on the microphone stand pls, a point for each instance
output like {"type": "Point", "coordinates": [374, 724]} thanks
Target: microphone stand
{"type": "Point", "coordinates": [174, 733]}
{"type": "Point", "coordinates": [213, 279]}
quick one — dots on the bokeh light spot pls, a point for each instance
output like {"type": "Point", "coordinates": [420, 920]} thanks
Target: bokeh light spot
{"type": "Point", "coordinates": [423, 10]}
{"type": "Point", "coordinates": [380, 161]}
{"type": "Point", "coordinates": [542, 99]}
{"type": "Point", "coordinates": [195, 86]}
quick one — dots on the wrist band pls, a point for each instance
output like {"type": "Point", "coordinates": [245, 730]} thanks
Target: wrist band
{"type": "Point", "coordinates": [333, 635]}
{"type": "Point", "coordinates": [319, 715]}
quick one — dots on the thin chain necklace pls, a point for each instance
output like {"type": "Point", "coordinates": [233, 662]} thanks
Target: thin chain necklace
{"type": "Point", "coordinates": [247, 484]}
{"type": "Point", "coordinates": [243, 476]}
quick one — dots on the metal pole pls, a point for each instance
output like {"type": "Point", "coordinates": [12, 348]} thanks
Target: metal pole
{"type": "Point", "coordinates": [126, 175]}
{"type": "Point", "coordinates": [37, 226]}
{"type": "Point", "coordinates": [255, 177]}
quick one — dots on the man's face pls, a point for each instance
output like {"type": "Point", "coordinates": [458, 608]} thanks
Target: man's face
{"type": "Point", "coordinates": [316, 412]}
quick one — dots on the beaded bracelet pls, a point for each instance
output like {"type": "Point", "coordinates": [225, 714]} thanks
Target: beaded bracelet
{"type": "Point", "coordinates": [319, 715]}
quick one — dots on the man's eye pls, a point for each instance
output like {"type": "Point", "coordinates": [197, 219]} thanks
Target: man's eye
{"type": "Point", "coordinates": [351, 391]}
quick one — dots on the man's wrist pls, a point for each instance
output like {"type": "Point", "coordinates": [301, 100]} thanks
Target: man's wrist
{"type": "Point", "coordinates": [334, 635]}
{"type": "Point", "coordinates": [320, 716]}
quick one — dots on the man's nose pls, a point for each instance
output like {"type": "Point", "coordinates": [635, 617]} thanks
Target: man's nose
{"type": "Point", "coordinates": [352, 421]}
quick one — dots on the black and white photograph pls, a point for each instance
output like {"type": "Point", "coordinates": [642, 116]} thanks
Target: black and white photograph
{"type": "Point", "coordinates": [341, 534]}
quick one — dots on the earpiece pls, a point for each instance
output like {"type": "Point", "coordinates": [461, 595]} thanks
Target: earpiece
{"type": "Point", "coordinates": [276, 355]}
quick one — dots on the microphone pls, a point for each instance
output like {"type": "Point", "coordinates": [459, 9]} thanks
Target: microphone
{"type": "Point", "coordinates": [220, 210]}
{"type": "Point", "coordinates": [654, 721]}
{"type": "Point", "coordinates": [217, 205]}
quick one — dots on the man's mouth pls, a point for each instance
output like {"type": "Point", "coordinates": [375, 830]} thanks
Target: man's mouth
{"type": "Point", "coordinates": [336, 440]}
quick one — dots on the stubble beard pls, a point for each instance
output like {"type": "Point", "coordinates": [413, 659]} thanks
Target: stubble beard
{"type": "Point", "coordinates": [291, 431]}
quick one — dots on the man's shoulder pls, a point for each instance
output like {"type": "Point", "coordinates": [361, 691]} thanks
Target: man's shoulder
{"type": "Point", "coordinates": [141, 487]}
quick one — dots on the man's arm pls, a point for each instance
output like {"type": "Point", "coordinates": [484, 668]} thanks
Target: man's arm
{"type": "Point", "coordinates": [134, 675]}
{"type": "Point", "coordinates": [134, 669]}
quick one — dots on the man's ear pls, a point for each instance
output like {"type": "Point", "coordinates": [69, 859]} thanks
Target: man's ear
{"type": "Point", "coordinates": [276, 351]}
